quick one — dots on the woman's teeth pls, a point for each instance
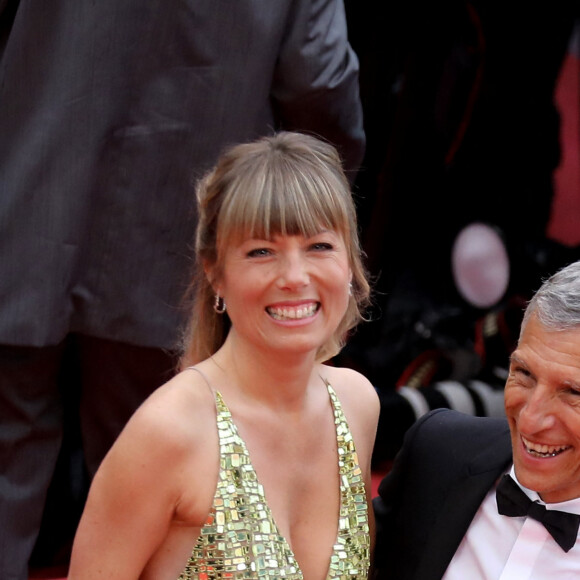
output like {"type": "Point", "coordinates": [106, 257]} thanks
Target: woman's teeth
{"type": "Point", "coordinates": [290, 313]}
{"type": "Point", "coordinates": [543, 450]}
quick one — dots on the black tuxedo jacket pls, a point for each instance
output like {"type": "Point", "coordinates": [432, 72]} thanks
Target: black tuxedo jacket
{"type": "Point", "coordinates": [447, 464]}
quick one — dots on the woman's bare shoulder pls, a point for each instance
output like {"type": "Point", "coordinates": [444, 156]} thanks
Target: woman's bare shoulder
{"type": "Point", "coordinates": [186, 388]}
{"type": "Point", "coordinates": [160, 472]}
{"type": "Point", "coordinates": [174, 416]}
{"type": "Point", "coordinates": [358, 398]}
{"type": "Point", "coordinates": [173, 432]}
{"type": "Point", "coordinates": [350, 384]}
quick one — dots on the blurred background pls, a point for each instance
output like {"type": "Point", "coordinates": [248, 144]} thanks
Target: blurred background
{"type": "Point", "coordinates": [468, 195]}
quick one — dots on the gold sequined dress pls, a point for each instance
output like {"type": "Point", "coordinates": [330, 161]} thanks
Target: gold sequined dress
{"type": "Point", "coordinates": [240, 539]}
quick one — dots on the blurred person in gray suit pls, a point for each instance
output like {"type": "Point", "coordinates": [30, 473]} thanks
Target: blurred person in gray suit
{"type": "Point", "coordinates": [105, 108]}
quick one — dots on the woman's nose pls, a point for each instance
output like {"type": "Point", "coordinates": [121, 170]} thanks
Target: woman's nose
{"type": "Point", "coordinates": [293, 272]}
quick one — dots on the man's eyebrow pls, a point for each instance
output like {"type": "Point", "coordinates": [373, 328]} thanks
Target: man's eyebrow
{"type": "Point", "coordinates": [515, 359]}
{"type": "Point", "coordinates": [569, 383]}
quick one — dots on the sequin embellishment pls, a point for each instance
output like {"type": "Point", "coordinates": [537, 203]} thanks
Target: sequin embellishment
{"type": "Point", "coordinates": [240, 539]}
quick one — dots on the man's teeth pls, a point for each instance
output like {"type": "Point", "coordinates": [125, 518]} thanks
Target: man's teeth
{"type": "Point", "coordinates": [543, 450]}
{"type": "Point", "coordinates": [289, 313]}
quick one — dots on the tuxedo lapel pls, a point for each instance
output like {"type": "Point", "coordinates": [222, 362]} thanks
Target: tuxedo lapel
{"type": "Point", "coordinates": [460, 505]}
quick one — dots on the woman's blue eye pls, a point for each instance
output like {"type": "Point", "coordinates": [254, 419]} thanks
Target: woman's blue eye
{"type": "Point", "coordinates": [258, 252]}
{"type": "Point", "coordinates": [322, 246]}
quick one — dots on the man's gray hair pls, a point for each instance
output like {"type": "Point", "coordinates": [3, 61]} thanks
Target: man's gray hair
{"type": "Point", "coordinates": [557, 302]}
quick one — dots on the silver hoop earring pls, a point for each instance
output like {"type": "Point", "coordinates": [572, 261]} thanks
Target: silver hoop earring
{"type": "Point", "coordinates": [350, 288]}
{"type": "Point", "coordinates": [219, 304]}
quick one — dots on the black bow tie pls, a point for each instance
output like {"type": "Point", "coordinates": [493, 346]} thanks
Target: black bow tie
{"type": "Point", "coordinates": [512, 501]}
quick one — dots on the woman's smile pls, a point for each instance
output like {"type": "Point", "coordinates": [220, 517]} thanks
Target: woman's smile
{"type": "Point", "coordinates": [293, 312]}
{"type": "Point", "coordinates": [289, 292]}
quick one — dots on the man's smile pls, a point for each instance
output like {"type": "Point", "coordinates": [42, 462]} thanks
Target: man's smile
{"type": "Point", "coordinates": [539, 450]}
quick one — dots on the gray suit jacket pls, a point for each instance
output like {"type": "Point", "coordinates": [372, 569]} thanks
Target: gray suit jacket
{"type": "Point", "coordinates": [448, 463]}
{"type": "Point", "coordinates": [109, 111]}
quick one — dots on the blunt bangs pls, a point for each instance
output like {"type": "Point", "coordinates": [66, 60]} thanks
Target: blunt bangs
{"type": "Point", "coordinates": [286, 184]}
{"type": "Point", "coordinates": [283, 196]}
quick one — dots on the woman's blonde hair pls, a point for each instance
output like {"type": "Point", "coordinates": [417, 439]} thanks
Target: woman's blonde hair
{"type": "Point", "coordinates": [286, 184]}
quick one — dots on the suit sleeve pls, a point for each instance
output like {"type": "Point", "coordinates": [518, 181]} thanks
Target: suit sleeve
{"type": "Point", "coordinates": [316, 82]}
{"type": "Point", "coordinates": [446, 456]}
{"type": "Point", "coordinates": [391, 491]}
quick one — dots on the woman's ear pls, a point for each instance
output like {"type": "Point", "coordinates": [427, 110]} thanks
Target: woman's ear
{"type": "Point", "coordinates": [211, 275]}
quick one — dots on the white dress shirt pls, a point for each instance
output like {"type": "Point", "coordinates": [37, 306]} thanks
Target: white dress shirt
{"type": "Point", "coordinates": [500, 547]}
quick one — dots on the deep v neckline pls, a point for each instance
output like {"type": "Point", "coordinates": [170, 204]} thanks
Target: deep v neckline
{"type": "Point", "coordinates": [241, 537]}
{"type": "Point", "coordinates": [270, 516]}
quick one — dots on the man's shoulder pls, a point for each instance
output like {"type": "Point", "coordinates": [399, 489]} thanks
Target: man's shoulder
{"type": "Point", "coordinates": [456, 429]}
{"type": "Point", "coordinates": [445, 445]}
{"type": "Point", "coordinates": [445, 419]}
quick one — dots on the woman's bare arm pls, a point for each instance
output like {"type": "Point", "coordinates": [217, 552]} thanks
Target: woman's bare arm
{"type": "Point", "coordinates": [136, 491]}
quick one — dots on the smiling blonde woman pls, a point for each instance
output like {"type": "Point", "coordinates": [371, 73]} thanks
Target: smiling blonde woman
{"type": "Point", "coordinates": [254, 461]}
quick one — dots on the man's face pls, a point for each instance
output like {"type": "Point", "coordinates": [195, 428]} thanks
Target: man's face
{"type": "Point", "coordinates": [542, 402]}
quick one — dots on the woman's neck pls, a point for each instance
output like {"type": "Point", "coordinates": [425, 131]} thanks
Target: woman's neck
{"type": "Point", "coordinates": [273, 379]}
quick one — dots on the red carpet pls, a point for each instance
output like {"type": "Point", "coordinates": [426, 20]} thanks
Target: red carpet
{"type": "Point", "coordinates": [58, 573]}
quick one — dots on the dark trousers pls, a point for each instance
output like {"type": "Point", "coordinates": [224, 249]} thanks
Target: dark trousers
{"type": "Point", "coordinates": [94, 383]}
